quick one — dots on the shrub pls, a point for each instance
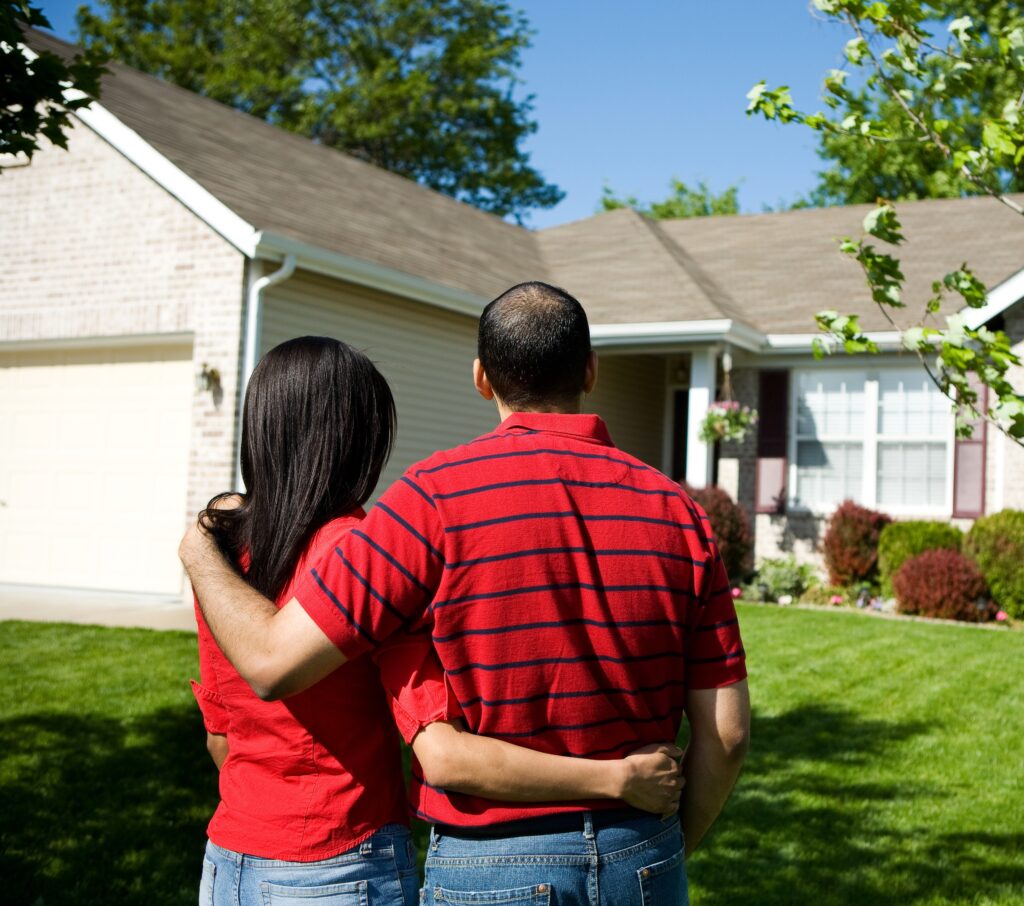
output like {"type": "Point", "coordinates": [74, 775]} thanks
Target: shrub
{"type": "Point", "coordinates": [850, 544]}
{"type": "Point", "coordinates": [996, 544]}
{"type": "Point", "coordinates": [942, 583]}
{"type": "Point", "coordinates": [900, 541]}
{"type": "Point", "coordinates": [731, 527]}
{"type": "Point", "coordinates": [828, 595]}
{"type": "Point", "coordinates": [776, 578]}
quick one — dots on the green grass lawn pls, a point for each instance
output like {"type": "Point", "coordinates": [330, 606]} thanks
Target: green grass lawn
{"type": "Point", "coordinates": [887, 766]}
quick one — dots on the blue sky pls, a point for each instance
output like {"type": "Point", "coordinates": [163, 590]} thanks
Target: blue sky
{"type": "Point", "coordinates": [632, 94]}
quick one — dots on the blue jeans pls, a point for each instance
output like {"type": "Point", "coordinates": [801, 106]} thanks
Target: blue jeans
{"type": "Point", "coordinates": [634, 862]}
{"type": "Point", "coordinates": [380, 871]}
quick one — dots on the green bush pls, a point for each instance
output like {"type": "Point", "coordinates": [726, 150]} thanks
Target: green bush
{"type": "Point", "coordinates": [776, 578]}
{"type": "Point", "coordinates": [996, 544]}
{"type": "Point", "coordinates": [900, 541]}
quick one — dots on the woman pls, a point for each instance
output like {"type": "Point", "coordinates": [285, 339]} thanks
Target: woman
{"type": "Point", "coordinates": [312, 795]}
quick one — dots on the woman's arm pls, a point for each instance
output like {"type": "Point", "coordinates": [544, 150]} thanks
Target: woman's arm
{"type": "Point", "coordinates": [217, 746]}
{"type": "Point", "coordinates": [455, 759]}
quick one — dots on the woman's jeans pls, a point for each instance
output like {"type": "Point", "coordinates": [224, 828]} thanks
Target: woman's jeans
{"type": "Point", "coordinates": [380, 871]}
{"type": "Point", "coordinates": [602, 863]}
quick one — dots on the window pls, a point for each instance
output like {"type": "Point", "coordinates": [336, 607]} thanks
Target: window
{"type": "Point", "coordinates": [881, 438]}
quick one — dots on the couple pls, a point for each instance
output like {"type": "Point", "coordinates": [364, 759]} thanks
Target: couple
{"type": "Point", "coordinates": [534, 611]}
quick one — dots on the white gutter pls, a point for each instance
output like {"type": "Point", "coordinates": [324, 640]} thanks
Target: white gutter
{"type": "Point", "coordinates": [662, 333]}
{"type": "Point", "coordinates": [887, 340]}
{"type": "Point", "coordinates": [250, 346]}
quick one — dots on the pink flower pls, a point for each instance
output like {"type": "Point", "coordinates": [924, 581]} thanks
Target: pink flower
{"type": "Point", "coordinates": [836, 599]}
{"type": "Point", "coordinates": [737, 592]}
{"type": "Point", "coordinates": [1002, 616]}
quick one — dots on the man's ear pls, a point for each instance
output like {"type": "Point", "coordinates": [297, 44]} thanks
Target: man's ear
{"type": "Point", "coordinates": [481, 381]}
{"type": "Point", "coordinates": [590, 375]}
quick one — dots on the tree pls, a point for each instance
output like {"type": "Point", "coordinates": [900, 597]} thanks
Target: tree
{"type": "Point", "coordinates": [860, 172]}
{"type": "Point", "coordinates": [681, 202]}
{"type": "Point", "coordinates": [424, 88]}
{"type": "Point", "coordinates": [921, 99]}
{"type": "Point", "coordinates": [33, 85]}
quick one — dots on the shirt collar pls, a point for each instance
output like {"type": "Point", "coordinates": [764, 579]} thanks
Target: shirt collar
{"type": "Point", "coordinates": [586, 427]}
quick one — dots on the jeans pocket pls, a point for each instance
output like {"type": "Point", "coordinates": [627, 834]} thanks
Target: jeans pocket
{"type": "Point", "coordinates": [206, 883]}
{"type": "Point", "coordinates": [664, 883]}
{"type": "Point", "coordinates": [535, 895]}
{"type": "Point", "coordinates": [351, 894]}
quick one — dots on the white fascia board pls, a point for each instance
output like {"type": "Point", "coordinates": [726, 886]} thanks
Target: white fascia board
{"type": "Point", "coordinates": [1000, 298]}
{"type": "Point", "coordinates": [662, 333]}
{"type": "Point", "coordinates": [208, 208]}
{"type": "Point", "coordinates": [135, 148]}
{"type": "Point", "coordinates": [888, 340]}
{"type": "Point", "coordinates": [365, 273]}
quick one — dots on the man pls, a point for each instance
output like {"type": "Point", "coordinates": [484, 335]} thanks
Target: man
{"type": "Point", "coordinates": [577, 603]}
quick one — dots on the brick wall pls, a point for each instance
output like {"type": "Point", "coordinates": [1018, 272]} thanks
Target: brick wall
{"type": "Point", "coordinates": [91, 247]}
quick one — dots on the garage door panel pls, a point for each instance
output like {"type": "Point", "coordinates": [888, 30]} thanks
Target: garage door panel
{"type": "Point", "coordinates": [94, 469]}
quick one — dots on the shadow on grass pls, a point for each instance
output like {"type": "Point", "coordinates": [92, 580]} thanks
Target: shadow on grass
{"type": "Point", "coordinates": [803, 829]}
{"type": "Point", "coordinates": [97, 810]}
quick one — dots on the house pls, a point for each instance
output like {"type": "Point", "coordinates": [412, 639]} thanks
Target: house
{"type": "Point", "coordinates": [145, 270]}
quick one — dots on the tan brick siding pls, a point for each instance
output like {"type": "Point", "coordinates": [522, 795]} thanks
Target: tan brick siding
{"type": "Point", "coordinates": [92, 247]}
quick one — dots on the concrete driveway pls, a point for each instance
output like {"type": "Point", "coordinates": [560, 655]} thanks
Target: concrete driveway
{"type": "Point", "coordinates": [63, 605]}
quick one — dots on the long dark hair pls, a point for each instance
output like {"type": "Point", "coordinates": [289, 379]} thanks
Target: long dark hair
{"type": "Point", "coordinates": [317, 429]}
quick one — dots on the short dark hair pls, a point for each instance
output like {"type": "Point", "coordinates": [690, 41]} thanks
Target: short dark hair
{"type": "Point", "coordinates": [317, 429]}
{"type": "Point", "coordinates": [533, 344]}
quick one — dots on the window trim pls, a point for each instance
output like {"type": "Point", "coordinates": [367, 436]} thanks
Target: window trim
{"type": "Point", "coordinates": [870, 439]}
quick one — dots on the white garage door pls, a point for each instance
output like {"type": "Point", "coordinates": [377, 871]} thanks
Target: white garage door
{"type": "Point", "coordinates": [93, 467]}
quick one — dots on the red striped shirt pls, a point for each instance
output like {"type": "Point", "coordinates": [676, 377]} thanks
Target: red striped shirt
{"type": "Point", "coordinates": [574, 594]}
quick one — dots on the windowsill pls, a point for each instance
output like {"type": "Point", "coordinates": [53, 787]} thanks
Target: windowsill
{"type": "Point", "coordinates": [793, 509]}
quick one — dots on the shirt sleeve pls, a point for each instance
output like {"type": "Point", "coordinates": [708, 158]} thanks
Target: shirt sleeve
{"type": "Point", "coordinates": [414, 682]}
{"type": "Point", "coordinates": [714, 654]}
{"type": "Point", "coordinates": [216, 715]}
{"type": "Point", "coordinates": [381, 575]}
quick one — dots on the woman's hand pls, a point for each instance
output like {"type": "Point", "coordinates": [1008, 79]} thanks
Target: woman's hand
{"type": "Point", "coordinates": [652, 779]}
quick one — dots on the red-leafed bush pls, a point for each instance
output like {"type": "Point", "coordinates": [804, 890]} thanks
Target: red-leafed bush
{"type": "Point", "coordinates": [850, 544]}
{"type": "Point", "coordinates": [731, 528]}
{"type": "Point", "coordinates": [942, 583]}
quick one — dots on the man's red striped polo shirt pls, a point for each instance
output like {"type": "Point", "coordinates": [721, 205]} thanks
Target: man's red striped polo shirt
{"type": "Point", "coordinates": [574, 594]}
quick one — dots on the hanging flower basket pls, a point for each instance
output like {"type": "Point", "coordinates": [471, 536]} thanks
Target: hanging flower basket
{"type": "Point", "coordinates": [727, 420]}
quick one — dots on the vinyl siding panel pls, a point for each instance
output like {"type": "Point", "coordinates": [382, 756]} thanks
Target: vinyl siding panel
{"type": "Point", "coordinates": [630, 396]}
{"type": "Point", "coordinates": [425, 353]}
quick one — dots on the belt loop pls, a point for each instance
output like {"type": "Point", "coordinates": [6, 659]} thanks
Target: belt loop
{"type": "Point", "coordinates": [588, 825]}
{"type": "Point", "coordinates": [366, 847]}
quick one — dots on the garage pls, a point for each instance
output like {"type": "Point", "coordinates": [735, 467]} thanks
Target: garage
{"type": "Point", "coordinates": [94, 446]}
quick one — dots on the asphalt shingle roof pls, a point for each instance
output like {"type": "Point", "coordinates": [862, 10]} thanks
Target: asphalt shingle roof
{"type": "Point", "coordinates": [771, 271]}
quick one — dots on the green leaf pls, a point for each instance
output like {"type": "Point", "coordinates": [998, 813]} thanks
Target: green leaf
{"type": "Point", "coordinates": [855, 50]}
{"type": "Point", "coordinates": [960, 28]}
{"type": "Point", "coordinates": [882, 223]}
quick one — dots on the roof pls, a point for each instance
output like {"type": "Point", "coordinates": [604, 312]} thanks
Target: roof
{"type": "Point", "coordinates": [289, 185]}
{"type": "Point", "coordinates": [771, 272]}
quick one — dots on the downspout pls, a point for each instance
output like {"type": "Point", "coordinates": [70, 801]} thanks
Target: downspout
{"type": "Point", "coordinates": [253, 323]}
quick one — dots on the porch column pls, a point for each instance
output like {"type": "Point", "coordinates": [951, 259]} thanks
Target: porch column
{"type": "Point", "coordinates": [702, 393]}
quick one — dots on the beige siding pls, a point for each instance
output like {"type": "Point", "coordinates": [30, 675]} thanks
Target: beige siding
{"type": "Point", "coordinates": [630, 397]}
{"type": "Point", "coordinates": [425, 353]}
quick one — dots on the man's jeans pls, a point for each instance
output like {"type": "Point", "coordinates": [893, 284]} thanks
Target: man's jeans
{"type": "Point", "coordinates": [627, 863]}
{"type": "Point", "coordinates": [380, 871]}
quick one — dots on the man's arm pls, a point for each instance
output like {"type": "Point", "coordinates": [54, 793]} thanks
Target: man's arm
{"type": "Point", "coordinates": [719, 735]}
{"type": "Point", "coordinates": [277, 652]}
{"type": "Point", "coordinates": [455, 759]}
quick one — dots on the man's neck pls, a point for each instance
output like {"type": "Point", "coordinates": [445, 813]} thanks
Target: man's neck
{"type": "Point", "coordinates": [504, 411]}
